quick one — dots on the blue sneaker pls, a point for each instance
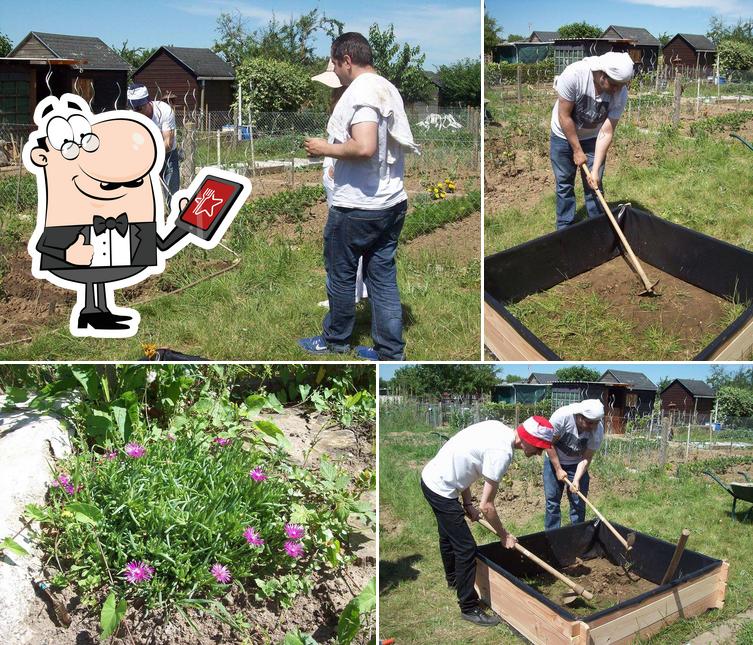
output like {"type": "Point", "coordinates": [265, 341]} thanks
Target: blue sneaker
{"type": "Point", "coordinates": [317, 345]}
{"type": "Point", "coordinates": [366, 353]}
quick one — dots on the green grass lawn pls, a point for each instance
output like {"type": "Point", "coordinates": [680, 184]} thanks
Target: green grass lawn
{"type": "Point", "coordinates": [260, 308]}
{"type": "Point", "coordinates": [415, 604]}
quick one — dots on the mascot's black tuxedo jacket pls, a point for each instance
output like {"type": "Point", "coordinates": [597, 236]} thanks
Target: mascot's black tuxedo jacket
{"type": "Point", "coordinates": [56, 239]}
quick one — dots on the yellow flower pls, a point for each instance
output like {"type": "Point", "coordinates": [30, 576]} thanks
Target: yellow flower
{"type": "Point", "coordinates": [149, 349]}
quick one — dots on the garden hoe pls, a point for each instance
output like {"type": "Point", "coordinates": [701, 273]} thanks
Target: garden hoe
{"type": "Point", "coordinates": [578, 590]}
{"type": "Point", "coordinates": [647, 284]}
{"type": "Point", "coordinates": [627, 544]}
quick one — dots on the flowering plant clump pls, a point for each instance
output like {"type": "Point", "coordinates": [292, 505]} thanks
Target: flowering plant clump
{"type": "Point", "coordinates": [441, 189]}
{"type": "Point", "coordinates": [179, 520]}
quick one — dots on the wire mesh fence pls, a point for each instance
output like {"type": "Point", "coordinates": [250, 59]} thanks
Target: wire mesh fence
{"type": "Point", "coordinates": [642, 435]}
{"type": "Point", "coordinates": [268, 146]}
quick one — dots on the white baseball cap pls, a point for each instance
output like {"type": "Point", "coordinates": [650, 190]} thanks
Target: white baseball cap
{"type": "Point", "coordinates": [328, 76]}
{"type": "Point", "coordinates": [592, 409]}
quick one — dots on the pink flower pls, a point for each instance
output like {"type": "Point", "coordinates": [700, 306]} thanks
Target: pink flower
{"type": "Point", "coordinates": [294, 531]}
{"type": "Point", "coordinates": [257, 474]}
{"type": "Point", "coordinates": [136, 572]}
{"type": "Point", "coordinates": [221, 573]}
{"type": "Point", "coordinates": [170, 436]}
{"type": "Point", "coordinates": [252, 537]}
{"type": "Point", "coordinates": [64, 481]}
{"type": "Point", "coordinates": [135, 450]}
{"type": "Point", "coordinates": [110, 456]}
{"type": "Point", "coordinates": [221, 441]}
{"type": "Point", "coordinates": [293, 549]}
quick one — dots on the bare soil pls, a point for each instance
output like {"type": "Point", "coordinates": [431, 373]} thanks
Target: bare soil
{"type": "Point", "coordinates": [687, 314]}
{"type": "Point", "coordinates": [609, 583]}
{"type": "Point", "coordinates": [317, 614]}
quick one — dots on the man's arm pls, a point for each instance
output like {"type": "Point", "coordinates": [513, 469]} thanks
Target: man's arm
{"type": "Point", "coordinates": [559, 471]}
{"type": "Point", "coordinates": [565, 115]}
{"type": "Point", "coordinates": [490, 513]}
{"type": "Point", "coordinates": [168, 138]}
{"type": "Point", "coordinates": [582, 468]}
{"type": "Point", "coordinates": [603, 141]}
{"type": "Point", "coordinates": [361, 145]}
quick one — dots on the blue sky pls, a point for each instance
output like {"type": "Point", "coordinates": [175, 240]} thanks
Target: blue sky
{"type": "Point", "coordinates": [445, 31]}
{"type": "Point", "coordinates": [658, 16]}
{"type": "Point", "coordinates": [654, 371]}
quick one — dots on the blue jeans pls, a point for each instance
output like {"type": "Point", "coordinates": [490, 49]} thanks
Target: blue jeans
{"type": "Point", "coordinates": [561, 154]}
{"type": "Point", "coordinates": [553, 494]}
{"type": "Point", "coordinates": [348, 235]}
{"type": "Point", "coordinates": [171, 173]}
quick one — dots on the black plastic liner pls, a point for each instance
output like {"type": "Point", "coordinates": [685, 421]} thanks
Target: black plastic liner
{"type": "Point", "coordinates": [703, 261]}
{"type": "Point", "coordinates": [650, 558]}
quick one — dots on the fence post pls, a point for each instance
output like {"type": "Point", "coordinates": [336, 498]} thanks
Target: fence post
{"type": "Point", "coordinates": [189, 153]}
{"type": "Point", "coordinates": [664, 440]}
{"type": "Point", "coordinates": [519, 82]}
{"type": "Point", "coordinates": [678, 96]}
{"type": "Point", "coordinates": [219, 155]}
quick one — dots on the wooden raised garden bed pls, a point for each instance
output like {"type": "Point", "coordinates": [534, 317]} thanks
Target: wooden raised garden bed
{"type": "Point", "coordinates": [625, 605]}
{"type": "Point", "coordinates": [712, 271]}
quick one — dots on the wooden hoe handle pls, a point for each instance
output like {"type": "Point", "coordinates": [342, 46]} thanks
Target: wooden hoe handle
{"type": "Point", "coordinates": [622, 540]}
{"type": "Point", "coordinates": [675, 557]}
{"type": "Point", "coordinates": [633, 260]}
{"type": "Point", "coordinates": [581, 591]}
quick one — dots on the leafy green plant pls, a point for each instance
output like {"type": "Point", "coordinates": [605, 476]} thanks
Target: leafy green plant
{"type": "Point", "coordinates": [427, 214]}
{"type": "Point", "coordinates": [722, 123]}
{"type": "Point", "coordinates": [207, 504]}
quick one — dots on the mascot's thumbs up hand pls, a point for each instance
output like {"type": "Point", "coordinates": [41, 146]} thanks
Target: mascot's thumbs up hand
{"type": "Point", "coordinates": [79, 252]}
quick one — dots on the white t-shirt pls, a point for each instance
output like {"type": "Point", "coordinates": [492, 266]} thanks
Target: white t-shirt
{"type": "Point", "coordinates": [576, 84]}
{"type": "Point", "coordinates": [481, 450]}
{"type": "Point", "coordinates": [164, 117]}
{"type": "Point", "coordinates": [568, 442]}
{"type": "Point", "coordinates": [358, 182]}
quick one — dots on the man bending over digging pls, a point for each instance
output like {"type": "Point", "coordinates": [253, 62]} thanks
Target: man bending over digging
{"type": "Point", "coordinates": [482, 450]}
{"type": "Point", "coordinates": [592, 94]}
{"type": "Point", "coordinates": [578, 433]}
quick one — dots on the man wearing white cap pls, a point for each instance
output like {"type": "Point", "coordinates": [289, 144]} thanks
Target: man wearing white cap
{"type": "Point", "coordinates": [592, 94]}
{"type": "Point", "coordinates": [578, 433]}
{"type": "Point", "coordinates": [164, 117]}
{"type": "Point", "coordinates": [480, 451]}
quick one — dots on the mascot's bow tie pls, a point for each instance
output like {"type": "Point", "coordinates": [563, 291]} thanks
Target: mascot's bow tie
{"type": "Point", "coordinates": [120, 223]}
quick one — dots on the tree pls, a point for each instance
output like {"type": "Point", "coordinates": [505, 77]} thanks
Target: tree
{"type": "Point", "coordinates": [514, 378]}
{"type": "Point", "coordinates": [577, 373]}
{"type": "Point", "coordinates": [461, 82]}
{"type": "Point", "coordinates": [579, 30]}
{"type": "Point", "coordinates": [664, 38]}
{"type": "Point", "coordinates": [664, 381]}
{"type": "Point", "coordinates": [402, 66]}
{"type": "Point", "coordinates": [5, 45]}
{"type": "Point", "coordinates": [514, 38]}
{"type": "Point", "coordinates": [492, 33]}
{"type": "Point", "coordinates": [276, 86]}
{"type": "Point", "coordinates": [719, 31]}
{"type": "Point", "coordinates": [735, 55]}
{"type": "Point", "coordinates": [734, 402]}
{"type": "Point", "coordinates": [291, 41]}
{"type": "Point", "coordinates": [134, 56]}
{"type": "Point", "coordinates": [434, 380]}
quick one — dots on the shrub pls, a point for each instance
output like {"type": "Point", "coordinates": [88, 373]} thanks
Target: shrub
{"type": "Point", "coordinates": [722, 123]}
{"type": "Point", "coordinates": [277, 86]}
{"type": "Point", "coordinates": [427, 214]}
{"type": "Point", "coordinates": [461, 83]}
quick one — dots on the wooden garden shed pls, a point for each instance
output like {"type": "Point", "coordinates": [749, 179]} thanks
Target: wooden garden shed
{"type": "Point", "coordinates": [644, 49]}
{"type": "Point", "coordinates": [196, 78]}
{"type": "Point", "coordinates": [689, 397]}
{"type": "Point", "coordinates": [691, 51]}
{"type": "Point", "coordinates": [43, 64]}
{"type": "Point", "coordinates": [641, 393]}
{"type": "Point", "coordinates": [541, 378]}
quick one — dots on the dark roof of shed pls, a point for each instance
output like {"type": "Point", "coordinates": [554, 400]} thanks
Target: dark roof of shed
{"type": "Point", "coordinates": [89, 48]}
{"type": "Point", "coordinates": [638, 380]}
{"type": "Point", "coordinates": [543, 377]}
{"type": "Point", "coordinates": [695, 387]}
{"type": "Point", "coordinates": [696, 41]}
{"type": "Point", "coordinates": [202, 62]}
{"type": "Point", "coordinates": [640, 35]}
{"type": "Point", "coordinates": [544, 35]}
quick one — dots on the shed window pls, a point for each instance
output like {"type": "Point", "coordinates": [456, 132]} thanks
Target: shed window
{"type": "Point", "coordinates": [14, 98]}
{"type": "Point", "coordinates": [631, 400]}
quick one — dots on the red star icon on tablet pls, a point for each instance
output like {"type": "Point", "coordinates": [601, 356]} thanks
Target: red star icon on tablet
{"type": "Point", "coordinates": [202, 208]}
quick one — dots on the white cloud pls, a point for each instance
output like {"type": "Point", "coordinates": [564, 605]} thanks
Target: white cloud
{"type": "Point", "coordinates": [727, 7]}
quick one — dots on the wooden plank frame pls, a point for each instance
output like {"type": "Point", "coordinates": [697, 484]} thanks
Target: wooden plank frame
{"type": "Point", "coordinates": [541, 625]}
{"type": "Point", "coordinates": [541, 263]}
